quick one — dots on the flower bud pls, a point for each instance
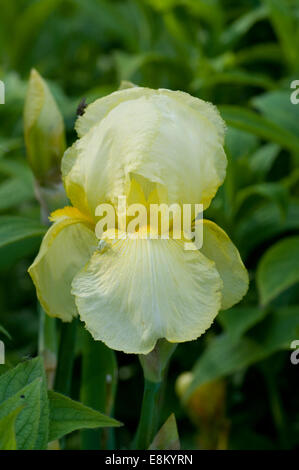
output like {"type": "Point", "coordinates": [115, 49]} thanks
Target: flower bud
{"type": "Point", "coordinates": [206, 409]}
{"type": "Point", "coordinates": [44, 131]}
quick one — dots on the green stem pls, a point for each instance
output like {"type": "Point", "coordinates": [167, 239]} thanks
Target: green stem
{"type": "Point", "coordinates": [148, 419]}
{"type": "Point", "coordinates": [98, 388]}
{"type": "Point", "coordinates": [66, 357]}
{"type": "Point", "coordinates": [47, 344]}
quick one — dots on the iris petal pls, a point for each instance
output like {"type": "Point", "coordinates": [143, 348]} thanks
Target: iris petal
{"type": "Point", "coordinates": [169, 139]}
{"type": "Point", "coordinates": [218, 247]}
{"type": "Point", "coordinates": [66, 247]}
{"type": "Point", "coordinates": [134, 292]}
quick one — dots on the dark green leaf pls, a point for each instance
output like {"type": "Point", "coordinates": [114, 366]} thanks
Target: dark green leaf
{"type": "Point", "coordinates": [7, 431]}
{"type": "Point", "coordinates": [27, 421]}
{"type": "Point", "coordinates": [67, 415]}
{"type": "Point", "coordinates": [250, 121]}
{"type": "Point", "coordinates": [225, 355]}
{"type": "Point", "coordinates": [15, 228]}
{"type": "Point", "coordinates": [22, 375]}
{"type": "Point", "coordinates": [237, 320]}
{"type": "Point", "coordinates": [277, 106]}
{"type": "Point", "coordinates": [278, 269]}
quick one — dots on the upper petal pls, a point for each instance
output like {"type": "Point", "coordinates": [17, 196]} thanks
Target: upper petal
{"type": "Point", "coordinates": [167, 138]}
{"type": "Point", "coordinates": [66, 247]}
{"type": "Point", "coordinates": [218, 247]}
{"type": "Point", "coordinates": [134, 292]}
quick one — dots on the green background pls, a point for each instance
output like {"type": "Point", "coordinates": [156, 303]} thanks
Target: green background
{"type": "Point", "coordinates": [242, 56]}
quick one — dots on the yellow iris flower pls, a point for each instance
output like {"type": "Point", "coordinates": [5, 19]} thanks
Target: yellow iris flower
{"type": "Point", "coordinates": [138, 143]}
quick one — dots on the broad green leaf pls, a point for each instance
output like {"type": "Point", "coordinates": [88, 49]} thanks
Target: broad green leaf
{"type": "Point", "coordinates": [275, 192]}
{"type": "Point", "coordinates": [250, 121]}
{"type": "Point", "coordinates": [167, 438]}
{"type": "Point", "coordinates": [7, 430]}
{"type": "Point", "coordinates": [67, 415]}
{"type": "Point", "coordinates": [15, 228]}
{"type": "Point", "coordinates": [278, 269]}
{"type": "Point", "coordinates": [225, 355]}
{"type": "Point", "coordinates": [237, 320]}
{"type": "Point", "coordinates": [263, 224]}
{"type": "Point", "coordinates": [240, 143]}
{"type": "Point", "coordinates": [262, 160]}
{"type": "Point", "coordinates": [19, 237]}
{"type": "Point", "coordinates": [276, 106]}
{"type": "Point", "coordinates": [12, 381]}
{"type": "Point", "coordinates": [222, 357]}
{"type": "Point", "coordinates": [27, 421]}
{"type": "Point", "coordinates": [278, 330]}
{"type": "Point", "coordinates": [242, 25]}
{"type": "Point", "coordinates": [15, 191]}
{"type": "Point", "coordinates": [16, 169]}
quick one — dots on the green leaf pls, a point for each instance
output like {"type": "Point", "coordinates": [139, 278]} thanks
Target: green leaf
{"type": "Point", "coordinates": [241, 26]}
{"type": "Point", "coordinates": [264, 223]}
{"type": "Point", "coordinates": [237, 320]}
{"type": "Point", "coordinates": [3, 331]}
{"type": "Point", "coordinates": [278, 330]}
{"type": "Point", "coordinates": [24, 374]}
{"type": "Point", "coordinates": [250, 121]}
{"type": "Point", "coordinates": [19, 237]}
{"type": "Point", "coordinates": [239, 143]}
{"type": "Point", "coordinates": [15, 228]}
{"type": "Point", "coordinates": [67, 415]}
{"type": "Point", "coordinates": [225, 355]}
{"type": "Point", "coordinates": [235, 77]}
{"type": "Point", "coordinates": [262, 160]}
{"type": "Point", "coordinates": [167, 438]}
{"type": "Point", "coordinates": [284, 23]}
{"type": "Point", "coordinates": [7, 430]}
{"type": "Point", "coordinates": [16, 169]}
{"type": "Point", "coordinates": [15, 191]}
{"type": "Point", "coordinates": [278, 269]}
{"type": "Point", "coordinates": [265, 52]}
{"type": "Point", "coordinates": [27, 422]}
{"type": "Point", "coordinates": [275, 192]}
{"type": "Point", "coordinates": [98, 387]}
{"type": "Point", "coordinates": [276, 106]}
{"type": "Point", "coordinates": [34, 15]}
{"type": "Point", "coordinates": [222, 357]}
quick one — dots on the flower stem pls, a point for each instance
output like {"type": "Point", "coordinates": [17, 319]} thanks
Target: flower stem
{"type": "Point", "coordinates": [47, 344]}
{"type": "Point", "coordinates": [148, 419]}
{"type": "Point", "coordinates": [98, 388]}
{"type": "Point", "coordinates": [64, 369]}
{"type": "Point", "coordinates": [154, 366]}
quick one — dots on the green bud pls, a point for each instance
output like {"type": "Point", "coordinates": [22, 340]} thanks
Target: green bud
{"type": "Point", "coordinates": [44, 131]}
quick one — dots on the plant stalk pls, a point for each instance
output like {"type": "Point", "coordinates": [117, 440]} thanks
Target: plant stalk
{"type": "Point", "coordinates": [148, 420]}
{"type": "Point", "coordinates": [63, 378]}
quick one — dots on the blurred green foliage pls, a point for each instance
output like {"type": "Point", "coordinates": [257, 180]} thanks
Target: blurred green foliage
{"type": "Point", "coordinates": [241, 55]}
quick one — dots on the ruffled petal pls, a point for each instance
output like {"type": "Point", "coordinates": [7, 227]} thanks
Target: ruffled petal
{"type": "Point", "coordinates": [66, 247]}
{"type": "Point", "coordinates": [166, 138]}
{"type": "Point", "coordinates": [218, 247]}
{"type": "Point", "coordinates": [134, 292]}
{"type": "Point", "coordinates": [97, 110]}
